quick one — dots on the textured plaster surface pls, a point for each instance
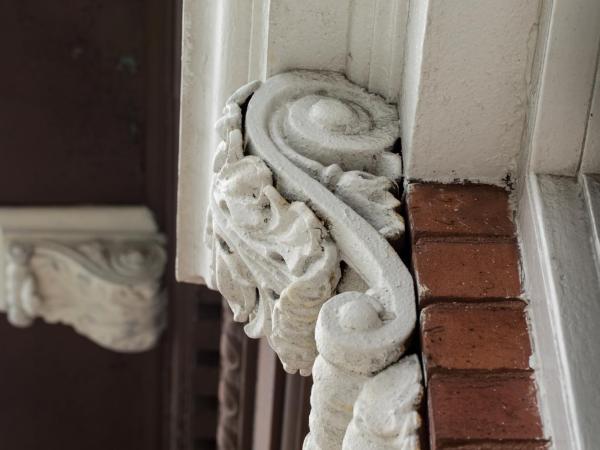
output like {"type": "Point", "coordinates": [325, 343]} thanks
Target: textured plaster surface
{"type": "Point", "coordinates": [465, 87]}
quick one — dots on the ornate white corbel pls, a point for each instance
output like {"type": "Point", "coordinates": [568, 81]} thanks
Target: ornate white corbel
{"type": "Point", "coordinates": [96, 269]}
{"type": "Point", "coordinates": [299, 215]}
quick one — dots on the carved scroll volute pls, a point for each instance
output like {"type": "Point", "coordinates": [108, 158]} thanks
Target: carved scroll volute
{"type": "Point", "coordinates": [361, 134]}
{"type": "Point", "coordinates": [325, 144]}
{"type": "Point", "coordinates": [274, 261]}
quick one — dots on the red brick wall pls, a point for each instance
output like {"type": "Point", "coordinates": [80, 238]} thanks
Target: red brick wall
{"type": "Point", "coordinates": [475, 341]}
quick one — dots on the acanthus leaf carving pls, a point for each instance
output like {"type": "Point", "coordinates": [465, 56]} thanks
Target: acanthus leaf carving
{"type": "Point", "coordinates": [274, 261]}
{"type": "Point", "coordinates": [325, 145]}
{"type": "Point", "coordinates": [370, 196]}
{"type": "Point", "coordinates": [385, 414]}
{"type": "Point", "coordinates": [107, 289]}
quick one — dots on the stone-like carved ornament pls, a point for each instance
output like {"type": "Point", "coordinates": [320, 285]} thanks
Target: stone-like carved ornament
{"type": "Point", "coordinates": [385, 413]}
{"type": "Point", "coordinates": [79, 267]}
{"type": "Point", "coordinates": [300, 212]}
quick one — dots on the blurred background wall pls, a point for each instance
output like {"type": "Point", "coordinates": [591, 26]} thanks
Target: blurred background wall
{"type": "Point", "coordinates": [88, 101]}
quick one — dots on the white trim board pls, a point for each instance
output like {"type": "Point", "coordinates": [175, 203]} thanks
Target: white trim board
{"type": "Point", "coordinates": [566, 84]}
{"type": "Point", "coordinates": [563, 283]}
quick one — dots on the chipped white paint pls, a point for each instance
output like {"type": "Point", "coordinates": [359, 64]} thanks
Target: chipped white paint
{"type": "Point", "coordinates": [323, 143]}
{"type": "Point", "coordinates": [96, 269]}
{"type": "Point", "coordinates": [385, 414]}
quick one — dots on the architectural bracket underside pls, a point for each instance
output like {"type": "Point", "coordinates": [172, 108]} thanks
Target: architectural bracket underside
{"type": "Point", "coordinates": [98, 270]}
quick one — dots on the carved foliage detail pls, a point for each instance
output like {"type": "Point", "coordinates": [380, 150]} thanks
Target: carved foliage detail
{"type": "Point", "coordinates": [108, 291]}
{"type": "Point", "coordinates": [324, 142]}
{"type": "Point", "coordinates": [273, 260]}
{"type": "Point", "coordinates": [342, 136]}
{"type": "Point", "coordinates": [356, 334]}
{"type": "Point", "coordinates": [385, 413]}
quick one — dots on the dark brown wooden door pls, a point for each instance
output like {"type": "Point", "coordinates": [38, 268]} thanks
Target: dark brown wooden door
{"type": "Point", "coordinates": [88, 102]}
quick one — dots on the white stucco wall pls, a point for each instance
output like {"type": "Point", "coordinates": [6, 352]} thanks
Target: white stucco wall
{"type": "Point", "coordinates": [465, 87]}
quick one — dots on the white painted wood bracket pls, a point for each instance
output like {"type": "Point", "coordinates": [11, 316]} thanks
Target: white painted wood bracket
{"type": "Point", "coordinates": [301, 187]}
{"type": "Point", "coordinates": [96, 269]}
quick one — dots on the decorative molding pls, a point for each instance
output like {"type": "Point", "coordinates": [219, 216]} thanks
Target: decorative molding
{"type": "Point", "coordinates": [376, 35]}
{"type": "Point", "coordinates": [264, 38]}
{"type": "Point", "coordinates": [325, 144]}
{"type": "Point", "coordinates": [237, 383]}
{"type": "Point", "coordinates": [274, 261]}
{"type": "Point", "coordinates": [101, 278]}
{"type": "Point", "coordinates": [351, 338]}
{"type": "Point", "coordinates": [230, 381]}
{"type": "Point", "coordinates": [562, 111]}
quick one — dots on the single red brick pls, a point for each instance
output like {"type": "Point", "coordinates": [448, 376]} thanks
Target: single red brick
{"type": "Point", "coordinates": [466, 271]}
{"type": "Point", "coordinates": [482, 408]}
{"type": "Point", "coordinates": [458, 210]}
{"type": "Point", "coordinates": [490, 336]}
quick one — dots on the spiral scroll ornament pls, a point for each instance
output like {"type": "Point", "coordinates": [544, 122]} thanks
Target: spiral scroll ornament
{"type": "Point", "coordinates": [303, 183]}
